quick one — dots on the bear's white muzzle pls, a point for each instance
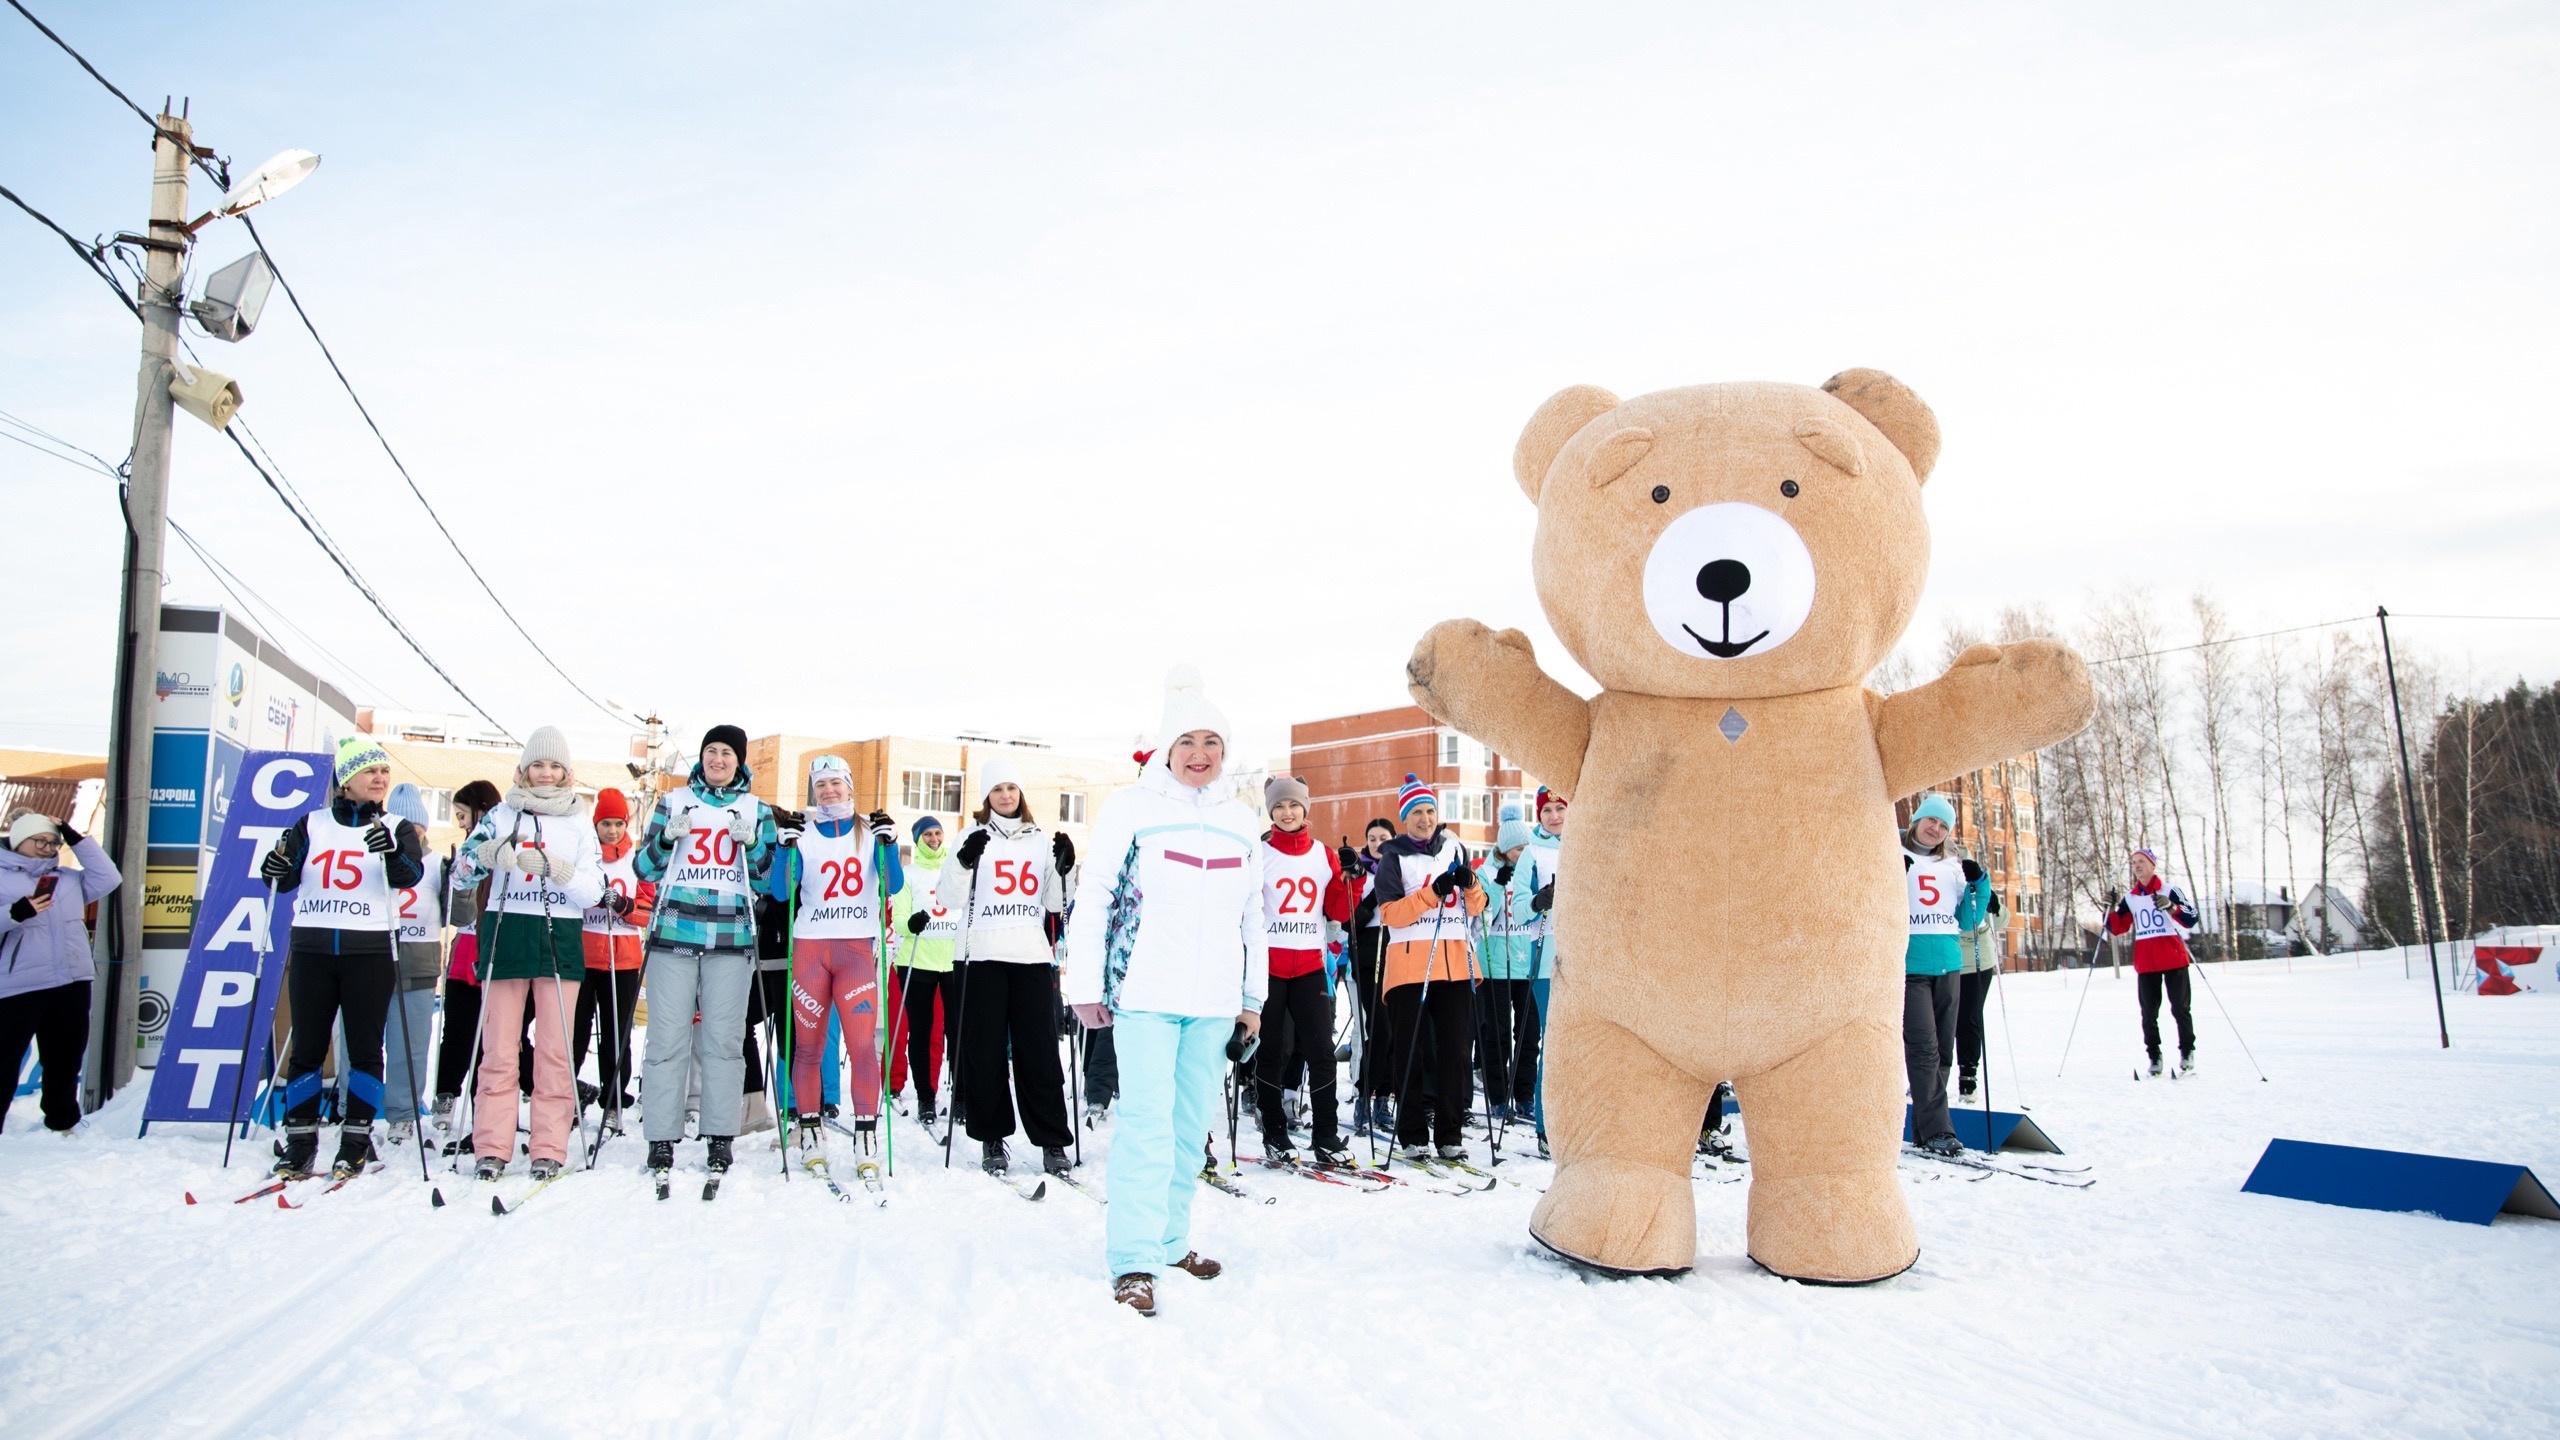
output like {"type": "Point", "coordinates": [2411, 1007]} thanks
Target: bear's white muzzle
{"type": "Point", "coordinates": [1728, 580]}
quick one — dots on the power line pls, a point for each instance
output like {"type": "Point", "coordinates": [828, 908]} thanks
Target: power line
{"type": "Point", "coordinates": [411, 482]}
{"type": "Point", "coordinates": [348, 570]}
{"type": "Point", "coordinates": [216, 172]}
{"type": "Point", "coordinates": [88, 253]}
{"type": "Point", "coordinates": [2232, 640]}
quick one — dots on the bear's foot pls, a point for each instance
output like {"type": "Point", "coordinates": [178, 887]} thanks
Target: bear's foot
{"type": "Point", "coordinates": [1619, 1217]}
{"type": "Point", "coordinates": [1841, 1228]}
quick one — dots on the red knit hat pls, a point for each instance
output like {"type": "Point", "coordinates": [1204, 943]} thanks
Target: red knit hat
{"type": "Point", "coordinates": [1544, 795]}
{"type": "Point", "coordinates": [611, 806]}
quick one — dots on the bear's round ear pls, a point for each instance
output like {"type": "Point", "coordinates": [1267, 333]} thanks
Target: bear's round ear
{"type": "Point", "coordinates": [1890, 406]}
{"type": "Point", "coordinates": [1556, 422]}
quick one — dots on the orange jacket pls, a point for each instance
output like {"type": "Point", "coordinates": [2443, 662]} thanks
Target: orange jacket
{"type": "Point", "coordinates": [622, 952]}
{"type": "Point", "coordinates": [1410, 960]}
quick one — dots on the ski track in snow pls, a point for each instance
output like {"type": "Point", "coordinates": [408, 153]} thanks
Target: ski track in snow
{"type": "Point", "coordinates": [2161, 1301]}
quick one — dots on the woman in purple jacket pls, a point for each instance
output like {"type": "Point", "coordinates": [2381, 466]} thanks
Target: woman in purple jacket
{"type": "Point", "coordinates": [44, 955]}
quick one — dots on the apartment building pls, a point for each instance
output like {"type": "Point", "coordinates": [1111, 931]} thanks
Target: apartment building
{"type": "Point", "coordinates": [1996, 826]}
{"type": "Point", "coordinates": [1354, 765]}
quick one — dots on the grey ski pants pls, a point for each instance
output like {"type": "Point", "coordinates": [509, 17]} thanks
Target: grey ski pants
{"type": "Point", "coordinates": [679, 983]}
{"type": "Point", "coordinates": [1928, 1048]}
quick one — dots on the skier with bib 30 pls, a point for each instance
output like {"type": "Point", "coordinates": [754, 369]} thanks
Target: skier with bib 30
{"type": "Point", "coordinates": [341, 863]}
{"type": "Point", "coordinates": [707, 846]}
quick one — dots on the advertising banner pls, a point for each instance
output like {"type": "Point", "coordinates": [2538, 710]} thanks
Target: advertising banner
{"type": "Point", "coordinates": [217, 1024]}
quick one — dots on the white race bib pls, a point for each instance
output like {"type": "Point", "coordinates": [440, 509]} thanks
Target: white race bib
{"type": "Point", "coordinates": [621, 877]}
{"type": "Point", "coordinates": [1449, 920]}
{"type": "Point", "coordinates": [343, 887]}
{"type": "Point", "coordinates": [707, 856]}
{"type": "Point", "coordinates": [1934, 886]}
{"type": "Point", "coordinates": [940, 924]}
{"type": "Point", "coordinates": [421, 907]}
{"type": "Point", "coordinates": [2150, 921]}
{"type": "Point", "coordinates": [1009, 880]}
{"type": "Point", "coordinates": [836, 882]}
{"type": "Point", "coordinates": [1293, 897]}
{"type": "Point", "coordinates": [516, 893]}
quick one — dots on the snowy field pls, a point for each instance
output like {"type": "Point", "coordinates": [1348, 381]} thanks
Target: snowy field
{"type": "Point", "coordinates": [2160, 1301]}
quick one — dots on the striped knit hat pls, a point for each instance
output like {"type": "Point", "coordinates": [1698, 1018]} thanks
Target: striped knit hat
{"type": "Point", "coordinates": [359, 752]}
{"type": "Point", "coordinates": [1415, 793]}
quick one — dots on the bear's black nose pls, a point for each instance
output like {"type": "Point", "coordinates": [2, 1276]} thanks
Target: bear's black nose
{"type": "Point", "coordinates": [1724, 581]}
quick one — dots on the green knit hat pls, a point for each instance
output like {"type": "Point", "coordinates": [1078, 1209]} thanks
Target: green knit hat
{"type": "Point", "coordinates": [359, 752]}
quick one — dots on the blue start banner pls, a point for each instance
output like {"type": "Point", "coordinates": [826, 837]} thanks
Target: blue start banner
{"type": "Point", "coordinates": [235, 959]}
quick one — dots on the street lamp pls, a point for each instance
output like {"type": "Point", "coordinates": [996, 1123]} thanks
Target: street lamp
{"type": "Point", "coordinates": [160, 388]}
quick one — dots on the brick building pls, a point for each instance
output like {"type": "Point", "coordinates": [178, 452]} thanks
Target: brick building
{"type": "Point", "coordinates": [1354, 765]}
{"type": "Point", "coordinates": [1996, 826]}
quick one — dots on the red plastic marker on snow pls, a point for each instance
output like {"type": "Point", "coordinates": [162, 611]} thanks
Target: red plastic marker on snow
{"type": "Point", "coordinates": [191, 1197]}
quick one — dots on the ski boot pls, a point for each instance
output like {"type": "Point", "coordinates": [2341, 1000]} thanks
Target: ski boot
{"type": "Point", "coordinates": [587, 1094]}
{"type": "Point", "coordinates": [1414, 1154]}
{"type": "Point", "coordinates": [662, 1155]}
{"type": "Point", "coordinates": [991, 1157]}
{"type": "Point", "coordinates": [1543, 1152]}
{"type": "Point", "coordinates": [1279, 1152]}
{"type": "Point", "coordinates": [924, 1111]}
{"type": "Point", "coordinates": [1943, 1146]}
{"type": "Point", "coordinates": [1053, 1160]}
{"type": "Point", "coordinates": [489, 1168]}
{"type": "Point", "coordinates": [809, 1135]}
{"type": "Point", "coordinates": [1094, 1115]}
{"type": "Point", "coordinates": [299, 1152]}
{"type": "Point", "coordinates": [1453, 1152]}
{"type": "Point", "coordinates": [1336, 1158]}
{"type": "Point", "coordinates": [1965, 1083]}
{"type": "Point", "coordinates": [2155, 1067]}
{"type": "Point", "coordinates": [2186, 1063]}
{"type": "Point", "coordinates": [829, 1112]}
{"type": "Point", "coordinates": [1499, 1113]}
{"type": "Point", "coordinates": [1359, 1114]}
{"type": "Point", "coordinates": [442, 1117]}
{"type": "Point", "coordinates": [759, 1113]}
{"type": "Point", "coordinates": [355, 1151]}
{"type": "Point", "coordinates": [1713, 1145]}
{"type": "Point", "coordinates": [715, 1153]}
{"type": "Point", "coordinates": [546, 1169]}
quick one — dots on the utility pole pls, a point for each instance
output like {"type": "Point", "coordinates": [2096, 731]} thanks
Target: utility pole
{"type": "Point", "coordinates": [111, 1026]}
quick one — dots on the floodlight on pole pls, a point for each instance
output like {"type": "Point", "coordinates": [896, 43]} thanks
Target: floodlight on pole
{"type": "Point", "coordinates": [280, 173]}
{"type": "Point", "coordinates": [234, 296]}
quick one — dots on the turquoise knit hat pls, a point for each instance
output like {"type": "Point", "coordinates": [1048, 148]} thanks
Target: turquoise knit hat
{"type": "Point", "coordinates": [1935, 806]}
{"type": "Point", "coordinates": [1515, 833]}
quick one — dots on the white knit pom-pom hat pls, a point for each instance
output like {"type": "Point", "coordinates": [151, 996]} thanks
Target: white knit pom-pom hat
{"type": "Point", "coordinates": [1186, 708]}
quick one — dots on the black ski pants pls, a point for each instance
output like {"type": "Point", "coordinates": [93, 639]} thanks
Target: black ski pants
{"type": "Point", "coordinates": [57, 1020]}
{"type": "Point", "coordinates": [1300, 1004]}
{"type": "Point", "coordinates": [1367, 963]}
{"type": "Point", "coordinates": [331, 990]}
{"type": "Point", "coordinates": [769, 995]}
{"type": "Point", "coordinates": [1009, 1008]}
{"type": "Point", "coordinates": [617, 992]}
{"type": "Point", "coordinates": [1507, 1035]}
{"type": "Point", "coordinates": [1448, 1012]}
{"type": "Point", "coordinates": [2149, 985]}
{"type": "Point", "coordinates": [1974, 990]}
{"type": "Point", "coordinates": [921, 991]}
{"type": "Point", "coordinates": [1101, 1067]}
{"type": "Point", "coordinates": [1928, 1040]}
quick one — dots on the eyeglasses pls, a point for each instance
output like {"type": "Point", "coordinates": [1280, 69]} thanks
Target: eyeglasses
{"type": "Point", "coordinates": [45, 842]}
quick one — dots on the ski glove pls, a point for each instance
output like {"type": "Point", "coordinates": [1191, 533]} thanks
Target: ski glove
{"type": "Point", "coordinates": [617, 902]}
{"type": "Point", "coordinates": [972, 848]}
{"type": "Point", "coordinates": [1465, 875]}
{"type": "Point", "coordinates": [277, 868]}
{"type": "Point", "coordinates": [1450, 882]}
{"type": "Point", "coordinates": [917, 921]}
{"type": "Point", "coordinates": [532, 861]}
{"type": "Point", "coordinates": [1502, 875]}
{"type": "Point", "coordinates": [741, 829]}
{"type": "Point", "coordinates": [884, 831]}
{"type": "Point", "coordinates": [1063, 851]}
{"type": "Point", "coordinates": [1544, 900]}
{"type": "Point", "coordinates": [1348, 858]}
{"type": "Point", "coordinates": [672, 832]}
{"type": "Point", "coordinates": [377, 838]}
{"type": "Point", "coordinates": [1972, 872]}
{"type": "Point", "coordinates": [69, 835]}
{"type": "Point", "coordinates": [1365, 914]}
{"type": "Point", "coordinates": [496, 854]}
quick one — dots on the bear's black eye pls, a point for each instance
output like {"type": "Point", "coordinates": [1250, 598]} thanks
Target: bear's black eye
{"type": "Point", "coordinates": [1788, 488]}
{"type": "Point", "coordinates": [1661, 493]}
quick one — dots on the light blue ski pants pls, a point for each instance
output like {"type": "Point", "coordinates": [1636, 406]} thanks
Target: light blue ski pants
{"type": "Point", "coordinates": [1169, 1076]}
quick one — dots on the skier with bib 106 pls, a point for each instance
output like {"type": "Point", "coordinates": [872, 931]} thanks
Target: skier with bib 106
{"type": "Point", "coordinates": [1003, 884]}
{"type": "Point", "coordinates": [707, 845]}
{"type": "Point", "coordinates": [545, 870]}
{"type": "Point", "coordinates": [1946, 896]}
{"type": "Point", "coordinates": [341, 863]}
{"type": "Point", "coordinates": [833, 877]}
{"type": "Point", "coordinates": [2158, 915]}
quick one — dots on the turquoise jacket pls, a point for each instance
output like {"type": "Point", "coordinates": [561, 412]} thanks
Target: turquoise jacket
{"type": "Point", "coordinates": [1512, 956]}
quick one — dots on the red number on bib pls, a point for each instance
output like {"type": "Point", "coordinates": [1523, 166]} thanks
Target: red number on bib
{"type": "Point", "coordinates": [1928, 890]}
{"type": "Point", "coordinates": [713, 847]}
{"type": "Point", "coordinates": [1297, 895]}
{"type": "Point", "coordinates": [844, 879]}
{"type": "Point", "coordinates": [408, 904]}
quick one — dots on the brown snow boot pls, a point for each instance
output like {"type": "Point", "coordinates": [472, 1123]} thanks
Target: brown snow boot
{"type": "Point", "coordinates": [1137, 1290]}
{"type": "Point", "coordinates": [1191, 1263]}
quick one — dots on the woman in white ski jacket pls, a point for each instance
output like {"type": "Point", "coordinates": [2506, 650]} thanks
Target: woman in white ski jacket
{"type": "Point", "coordinates": [1169, 950]}
{"type": "Point", "coordinates": [1002, 883]}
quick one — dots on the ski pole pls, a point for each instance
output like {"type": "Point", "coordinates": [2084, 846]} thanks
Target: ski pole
{"type": "Point", "coordinates": [951, 1034]}
{"type": "Point", "coordinates": [2009, 1036]}
{"type": "Point", "coordinates": [249, 1023]}
{"type": "Point", "coordinates": [408, 1052]}
{"type": "Point", "coordinates": [559, 998]}
{"type": "Point", "coordinates": [2198, 967]}
{"type": "Point", "coordinates": [2084, 1002]}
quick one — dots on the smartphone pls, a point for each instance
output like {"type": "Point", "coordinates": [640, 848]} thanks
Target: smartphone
{"type": "Point", "coordinates": [44, 887]}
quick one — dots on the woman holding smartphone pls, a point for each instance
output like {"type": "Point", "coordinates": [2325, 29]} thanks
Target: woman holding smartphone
{"type": "Point", "coordinates": [44, 955]}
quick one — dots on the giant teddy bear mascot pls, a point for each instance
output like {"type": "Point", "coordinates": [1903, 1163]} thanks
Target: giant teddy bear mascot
{"type": "Point", "coordinates": [1730, 562]}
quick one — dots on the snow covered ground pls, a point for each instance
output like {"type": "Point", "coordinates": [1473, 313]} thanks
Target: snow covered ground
{"type": "Point", "coordinates": [2161, 1301]}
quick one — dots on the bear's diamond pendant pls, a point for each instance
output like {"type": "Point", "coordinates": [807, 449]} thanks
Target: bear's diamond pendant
{"type": "Point", "coordinates": [1732, 725]}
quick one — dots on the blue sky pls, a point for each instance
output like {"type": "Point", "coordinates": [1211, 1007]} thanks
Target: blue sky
{"type": "Point", "coordinates": [856, 368]}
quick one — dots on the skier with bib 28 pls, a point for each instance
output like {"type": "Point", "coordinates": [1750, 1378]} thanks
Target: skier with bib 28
{"type": "Point", "coordinates": [834, 877]}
